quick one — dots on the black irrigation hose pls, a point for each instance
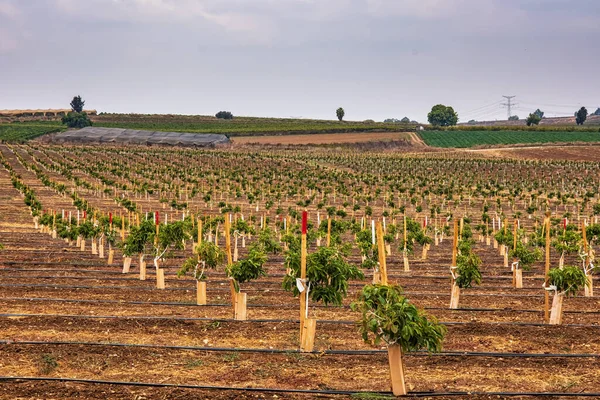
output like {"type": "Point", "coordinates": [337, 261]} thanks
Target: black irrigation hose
{"type": "Point", "coordinates": [296, 351]}
{"type": "Point", "coordinates": [188, 304]}
{"type": "Point", "coordinates": [291, 321]}
{"type": "Point", "coordinates": [200, 387]}
{"type": "Point", "coordinates": [298, 391]}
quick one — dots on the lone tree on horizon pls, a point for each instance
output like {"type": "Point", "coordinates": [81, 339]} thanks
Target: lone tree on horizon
{"type": "Point", "coordinates": [340, 113]}
{"type": "Point", "coordinates": [441, 115]}
{"type": "Point", "coordinates": [581, 115]}
{"type": "Point", "coordinates": [77, 118]}
{"type": "Point", "coordinates": [77, 104]}
{"type": "Point", "coordinates": [533, 119]}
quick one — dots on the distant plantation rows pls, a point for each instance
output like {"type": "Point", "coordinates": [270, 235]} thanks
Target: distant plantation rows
{"type": "Point", "coordinates": [19, 132]}
{"type": "Point", "coordinates": [464, 139]}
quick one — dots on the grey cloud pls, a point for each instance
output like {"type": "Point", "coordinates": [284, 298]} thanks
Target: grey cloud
{"type": "Point", "coordinates": [377, 58]}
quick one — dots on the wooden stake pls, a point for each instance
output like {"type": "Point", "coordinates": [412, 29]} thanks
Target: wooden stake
{"type": "Point", "coordinates": [230, 260]}
{"type": "Point", "coordinates": [240, 310]}
{"type": "Point", "coordinates": [381, 254]}
{"type": "Point", "coordinates": [160, 278]}
{"type": "Point", "coordinates": [308, 335]}
{"type": "Point", "coordinates": [126, 264]}
{"type": "Point", "coordinates": [200, 293]}
{"type": "Point", "coordinates": [396, 370]}
{"type": "Point", "coordinates": [303, 254]}
{"type": "Point", "coordinates": [547, 271]}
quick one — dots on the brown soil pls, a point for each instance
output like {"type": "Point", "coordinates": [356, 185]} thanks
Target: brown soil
{"type": "Point", "coordinates": [327, 138]}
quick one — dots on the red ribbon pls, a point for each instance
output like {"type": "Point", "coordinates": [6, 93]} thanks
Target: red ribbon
{"type": "Point", "coordinates": [304, 222]}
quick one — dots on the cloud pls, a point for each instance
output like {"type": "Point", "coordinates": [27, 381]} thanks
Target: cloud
{"type": "Point", "coordinates": [8, 10]}
{"type": "Point", "coordinates": [249, 27]}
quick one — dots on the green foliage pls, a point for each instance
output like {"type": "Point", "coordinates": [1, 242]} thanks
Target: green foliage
{"type": "Point", "coordinates": [513, 118]}
{"type": "Point", "coordinates": [467, 266]}
{"type": "Point", "coordinates": [441, 115]}
{"type": "Point", "coordinates": [21, 131]}
{"type": "Point", "coordinates": [139, 238]}
{"type": "Point", "coordinates": [209, 256]}
{"type": "Point", "coordinates": [249, 268]}
{"type": "Point", "coordinates": [327, 271]}
{"type": "Point", "coordinates": [526, 255]}
{"type": "Point", "coordinates": [77, 104]}
{"type": "Point", "coordinates": [266, 238]}
{"type": "Point", "coordinates": [506, 239]}
{"type": "Point", "coordinates": [390, 317]}
{"type": "Point", "coordinates": [539, 113]}
{"type": "Point", "coordinates": [581, 115]}
{"type": "Point", "coordinates": [567, 280]}
{"type": "Point", "coordinates": [76, 120]}
{"type": "Point", "coordinates": [224, 115]}
{"type": "Point", "coordinates": [340, 113]}
{"type": "Point", "coordinates": [567, 242]}
{"type": "Point", "coordinates": [533, 119]}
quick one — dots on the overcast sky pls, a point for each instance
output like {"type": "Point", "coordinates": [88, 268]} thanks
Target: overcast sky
{"type": "Point", "coordinates": [303, 58]}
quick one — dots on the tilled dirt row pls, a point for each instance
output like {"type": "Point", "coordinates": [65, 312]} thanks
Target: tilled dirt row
{"type": "Point", "coordinates": [291, 370]}
{"type": "Point", "coordinates": [471, 337]}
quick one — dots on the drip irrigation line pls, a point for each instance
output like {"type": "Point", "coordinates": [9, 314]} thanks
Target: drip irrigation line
{"type": "Point", "coordinates": [291, 321]}
{"type": "Point", "coordinates": [199, 387]}
{"type": "Point", "coordinates": [147, 288]}
{"type": "Point", "coordinates": [189, 304]}
{"type": "Point", "coordinates": [462, 394]}
{"type": "Point", "coordinates": [296, 351]}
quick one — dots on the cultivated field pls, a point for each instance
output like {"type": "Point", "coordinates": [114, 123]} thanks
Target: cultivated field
{"type": "Point", "coordinates": [328, 138]}
{"type": "Point", "coordinates": [78, 325]}
{"type": "Point", "coordinates": [473, 138]}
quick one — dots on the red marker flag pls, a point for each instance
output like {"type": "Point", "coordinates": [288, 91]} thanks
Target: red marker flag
{"type": "Point", "coordinates": [565, 223]}
{"type": "Point", "coordinates": [304, 222]}
{"type": "Point", "coordinates": [156, 218]}
{"type": "Point", "coordinates": [110, 218]}
{"type": "Point", "coordinates": [84, 214]}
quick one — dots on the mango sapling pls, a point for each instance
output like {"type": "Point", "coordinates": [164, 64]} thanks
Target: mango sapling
{"type": "Point", "coordinates": [387, 316]}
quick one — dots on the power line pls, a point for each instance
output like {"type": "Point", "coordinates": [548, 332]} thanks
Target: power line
{"type": "Point", "coordinates": [509, 104]}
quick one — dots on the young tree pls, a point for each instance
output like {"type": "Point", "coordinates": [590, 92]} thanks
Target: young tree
{"type": "Point", "coordinates": [513, 118]}
{"type": "Point", "coordinates": [209, 256]}
{"type": "Point", "coordinates": [533, 119]}
{"type": "Point", "coordinates": [441, 115]}
{"type": "Point", "coordinates": [567, 242]}
{"type": "Point", "coordinates": [466, 273]}
{"type": "Point", "coordinates": [327, 272]}
{"type": "Point", "coordinates": [525, 256]}
{"type": "Point", "coordinates": [247, 269]}
{"type": "Point", "coordinates": [564, 283]}
{"type": "Point", "coordinates": [539, 113]}
{"type": "Point", "coordinates": [340, 113]}
{"type": "Point", "coordinates": [581, 116]}
{"type": "Point", "coordinates": [77, 104]}
{"type": "Point", "coordinates": [388, 316]}
{"type": "Point", "coordinates": [139, 242]}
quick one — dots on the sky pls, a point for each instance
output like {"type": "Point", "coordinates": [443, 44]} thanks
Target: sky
{"type": "Point", "coordinates": [377, 59]}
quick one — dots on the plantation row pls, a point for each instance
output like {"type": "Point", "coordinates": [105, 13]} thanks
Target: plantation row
{"type": "Point", "coordinates": [471, 138]}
